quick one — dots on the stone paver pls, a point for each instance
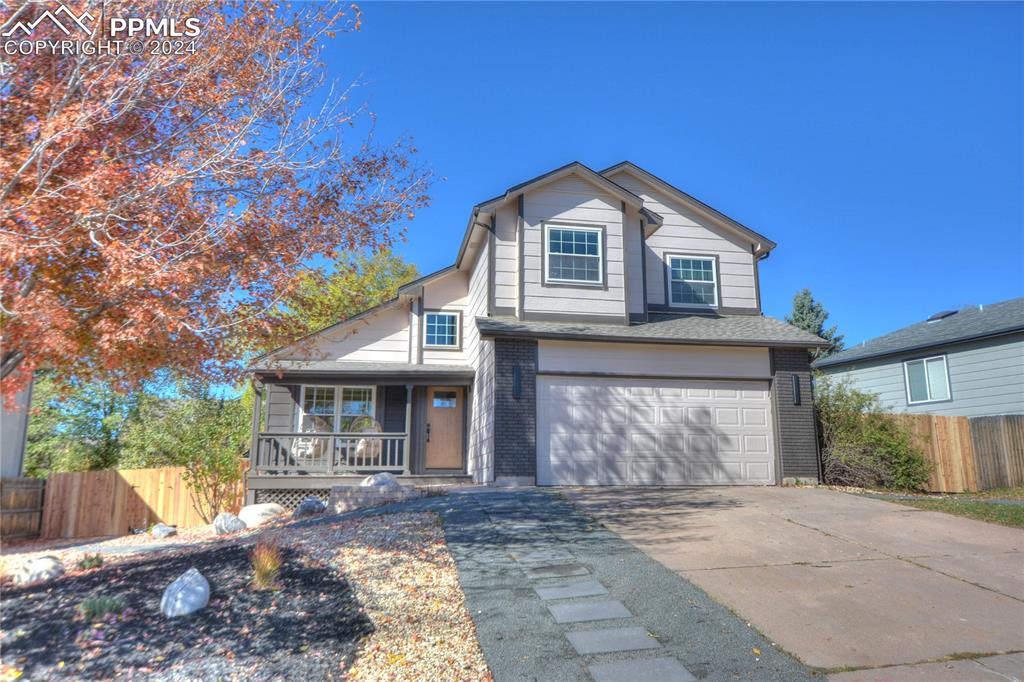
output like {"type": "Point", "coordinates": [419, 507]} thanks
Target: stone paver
{"type": "Point", "coordinates": [562, 571]}
{"type": "Point", "coordinates": [547, 557]}
{"type": "Point", "coordinates": [610, 640]}
{"type": "Point", "coordinates": [641, 670]}
{"type": "Point", "coordinates": [587, 588]}
{"type": "Point", "coordinates": [579, 612]}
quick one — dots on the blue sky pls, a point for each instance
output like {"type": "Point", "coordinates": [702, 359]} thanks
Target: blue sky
{"type": "Point", "coordinates": [879, 144]}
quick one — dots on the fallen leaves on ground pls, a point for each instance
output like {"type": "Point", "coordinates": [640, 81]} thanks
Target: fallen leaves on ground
{"type": "Point", "coordinates": [405, 578]}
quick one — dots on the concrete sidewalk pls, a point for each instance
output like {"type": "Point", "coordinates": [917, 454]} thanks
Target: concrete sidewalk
{"type": "Point", "coordinates": [842, 582]}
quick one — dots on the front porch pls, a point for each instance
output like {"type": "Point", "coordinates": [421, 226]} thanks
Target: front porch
{"type": "Point", "coordinates": [314, 429]}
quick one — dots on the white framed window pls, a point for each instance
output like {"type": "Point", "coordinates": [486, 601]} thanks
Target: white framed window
{"type": "Point", "coordinates": [326, 409]}
{"type": "Point", "coordinates": [574, 255]}
{"type": "Point", "coordinates": [441, 330]}
{"type": "Point", "coordinates": [692, 281]}
{"type": "Point", "coordinates": [927, 380]}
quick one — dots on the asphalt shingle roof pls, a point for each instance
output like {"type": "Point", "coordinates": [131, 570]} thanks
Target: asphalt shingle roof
{"type": "Point", "coordinates": [968, 323]}
{"type": "Point", "coordinates": [731, 330]}
{"type": "Point", "coordinates": [382, 368]}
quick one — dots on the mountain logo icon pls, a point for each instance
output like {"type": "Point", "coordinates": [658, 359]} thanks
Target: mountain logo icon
{"type": "Point", "coordinates": [62, 18]}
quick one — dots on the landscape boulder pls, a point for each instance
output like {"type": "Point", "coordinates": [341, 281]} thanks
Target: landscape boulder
{"type": "Point", "coordinates": [162, 530]}
{"type": "Point", "coordinates": [310, 506]}
{"type": "Point", "coordinates": [187, 594]}
{"type": "Point", "coordinates": [255, 515]}
{"type": "Point", "coordinates": [39, 570]}
{"type": "Point", "coordinates": [383, 480]}
{"type": "Point", "coordinates": [228, 523]}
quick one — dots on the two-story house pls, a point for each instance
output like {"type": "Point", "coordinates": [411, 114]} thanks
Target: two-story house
{"type": "Point", "coordinates": [596, 328]}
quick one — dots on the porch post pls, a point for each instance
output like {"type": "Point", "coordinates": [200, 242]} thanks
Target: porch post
{"type": "Point", "coordinates": [254, 447]}
{"type": "Point", "coordinates": [407, 451]}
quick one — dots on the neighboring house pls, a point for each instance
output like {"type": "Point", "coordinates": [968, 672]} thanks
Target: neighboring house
{"type": "Point", "coordinates": [967, 362]}
{"type": "Point", "coordinates": [13, 433]}
{"type": "Point", "coordinates": [595, 329]}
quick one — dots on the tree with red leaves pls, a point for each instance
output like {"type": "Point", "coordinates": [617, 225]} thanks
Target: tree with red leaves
{"type": "Point", "coordinates": [153, 208]}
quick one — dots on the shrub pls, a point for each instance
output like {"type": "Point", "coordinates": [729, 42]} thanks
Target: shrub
{"type": "Point", "coordinates": [266, 565]}
{"type": "Point", "coordinates": [90, 561]}
{"type": "Point", "coordinates": [96, 607]}
{"type": "Point", "coordinates": [860, 445]}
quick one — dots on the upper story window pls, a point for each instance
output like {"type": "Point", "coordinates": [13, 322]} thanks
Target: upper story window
{"type": "Point", "coordinates": [441, 330]}
{"type": "Point", "coordinates": [574, 255]}
{"type": "Point", "coordinates": [692, 281]}
{"type": "Point", "coordinates": [927, 380]}
{"type": "Point", "coordinates": [322, 411]}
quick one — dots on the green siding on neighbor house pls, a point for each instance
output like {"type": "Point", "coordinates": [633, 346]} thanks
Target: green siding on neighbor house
{"type": "Point", "coordinates": [986, 378]}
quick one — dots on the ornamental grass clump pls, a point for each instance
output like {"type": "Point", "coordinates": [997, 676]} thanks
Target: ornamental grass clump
{"type": "Point", "coordinates": [90, 561]}
{"type": "Point", "coordinates": [99, 606]}
{"type": "Point", "coordinates": [266, 565]}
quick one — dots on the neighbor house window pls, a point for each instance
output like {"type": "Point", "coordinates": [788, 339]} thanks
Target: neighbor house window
{"type": "Point", "coordinates": [574, 255]}
{"type": "Point", "coordinates": [442, 330]}
{"type": "Point", "coordinates": [335, 408]}
{"type": "Point", "coordinates": [692, 281]}
{"type": "Point", "coordinates": [927, 380]}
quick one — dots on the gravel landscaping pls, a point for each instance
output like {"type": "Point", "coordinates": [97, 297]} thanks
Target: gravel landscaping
{"type": "Point", "coordinates": [369, 598]}
{"type": "Point", "coordinates": [309, 628]}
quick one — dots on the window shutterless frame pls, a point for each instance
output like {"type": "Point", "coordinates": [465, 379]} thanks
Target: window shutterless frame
{"type": "Point", "coordinates": [457, 344]}
{"type": "Point", "coordinates": [572, 229]}
{"type": "Point", "coordinates": [670, 279]}
{"type": "Point", "coordinates": [924, 362]}
{"type": "Point", "coordinates": [339, 391]}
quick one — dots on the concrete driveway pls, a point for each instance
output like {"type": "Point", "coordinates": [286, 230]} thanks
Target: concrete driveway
{"type": "Point", "coordinates": [855, 586]}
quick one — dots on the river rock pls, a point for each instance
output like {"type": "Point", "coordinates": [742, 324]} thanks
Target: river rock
{"type": "Point", "coordinates": [228, 523]}
{"type": "Point", "coordinates": [255, 515]}
{"type": "Point", "coordinates": [39, 570]}
{"type": "Point", "coordinates": [189, 593]}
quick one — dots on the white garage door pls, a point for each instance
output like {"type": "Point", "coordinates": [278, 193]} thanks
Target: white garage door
{"type": "Point", "coordinates": [653, 432]}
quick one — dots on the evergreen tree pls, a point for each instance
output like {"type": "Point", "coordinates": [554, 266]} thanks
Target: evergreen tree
{"type": "Point", "coordinates": [810, 315]}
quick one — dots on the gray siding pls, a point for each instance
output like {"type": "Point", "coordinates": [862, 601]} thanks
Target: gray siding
{"type": "Point", "coordinates": [685, 233]}
{"type": "Point", "coordinates": [281, 400]}
{"type": "Point", "coordinates": [796, 436]}
{"type": "Point", "coordinates": [480, 352]}
{"type": "Point", "coordinates": [986, 378]}
{"type": "Point", "coordinates": [13, 432]}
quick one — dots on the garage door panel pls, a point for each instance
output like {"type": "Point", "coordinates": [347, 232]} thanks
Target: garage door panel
{"type": "Point", "coordinates": [755, 416]}
{"type": "Point", "coordinates": [653, 432]}
{"type": "Point", "coordinates": [755, 444]}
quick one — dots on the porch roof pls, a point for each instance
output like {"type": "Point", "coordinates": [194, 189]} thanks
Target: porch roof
{"type": "Point", "coordinates": [347, 369]}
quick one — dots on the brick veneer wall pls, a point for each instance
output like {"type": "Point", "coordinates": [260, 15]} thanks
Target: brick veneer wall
{"type": "Point", "coordinates": [797, 435]}
{"type": "Point", "coordinates": [515, 419]}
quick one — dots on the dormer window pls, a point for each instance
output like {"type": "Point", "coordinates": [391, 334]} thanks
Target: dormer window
{"type": "Point", "coordinates": [574, 255]}
{"type": "Point", "coordinates": [692, 282]}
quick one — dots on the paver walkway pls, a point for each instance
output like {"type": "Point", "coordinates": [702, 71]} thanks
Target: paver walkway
{"type": "Point", "coordinates": [556, 597]}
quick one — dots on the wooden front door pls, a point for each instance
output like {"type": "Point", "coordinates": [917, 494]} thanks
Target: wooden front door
{"type": "Point", "coordinates": [444, 427]}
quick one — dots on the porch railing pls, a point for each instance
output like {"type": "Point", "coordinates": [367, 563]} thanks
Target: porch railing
{"type": "Point", "coordinates": [326, 454]}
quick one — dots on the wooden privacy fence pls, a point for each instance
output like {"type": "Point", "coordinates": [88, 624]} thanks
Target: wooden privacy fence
{"type": "Point", "coordinates": [969, 453]}
{"type": "Point", "coordinates": [998, 444]}
{"type": "Point", "coordinates": [114, 501]}
{"type": "Point", "coordinates": [21, 507]}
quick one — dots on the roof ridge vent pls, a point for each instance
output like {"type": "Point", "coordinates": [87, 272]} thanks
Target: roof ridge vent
{"type": "Point", "coordinates": [941, 315]}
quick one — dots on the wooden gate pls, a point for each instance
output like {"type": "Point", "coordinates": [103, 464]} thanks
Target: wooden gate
{"type": "Point", "coordinates": [21, 507]}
